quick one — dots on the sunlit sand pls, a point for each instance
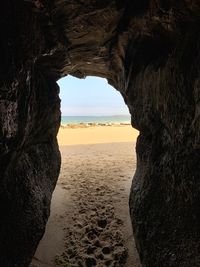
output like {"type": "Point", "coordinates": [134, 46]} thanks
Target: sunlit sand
{"type": "Point", "coordinates": [89, 223]}
{"type": "Point", "coordinates": [97, 135]}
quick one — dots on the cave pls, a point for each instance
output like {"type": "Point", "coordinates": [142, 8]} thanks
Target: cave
{"type": "Point", "coordinates": [148, 51]}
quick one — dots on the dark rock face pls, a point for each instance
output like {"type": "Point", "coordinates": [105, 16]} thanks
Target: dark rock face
{"type": "Point", "coordinates": [29, 120]}
{"type": "Point", "coordinates": [148, 50]}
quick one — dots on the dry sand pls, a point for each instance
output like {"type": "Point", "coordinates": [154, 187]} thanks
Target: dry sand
{"type": "Point", "coordinates": [89, 223]}
{"type": "Point", "coordinates": [96, 135]}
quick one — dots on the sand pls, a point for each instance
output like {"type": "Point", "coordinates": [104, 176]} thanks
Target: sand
{"type": "Point", "coordinates": [97, 135]}
{"type": "Point", "coordinates": [89, 223]}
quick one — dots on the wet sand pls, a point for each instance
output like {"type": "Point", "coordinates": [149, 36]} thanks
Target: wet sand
{"type": "Point", "coordinates": [89, 223]}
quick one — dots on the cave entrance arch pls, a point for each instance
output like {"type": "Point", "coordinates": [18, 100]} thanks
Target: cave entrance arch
{"type": "Point", "coordinates": [95, 179]}
{"type": "Point", "coordinates": [149, 50]}
{"type": "Point", "coordinates": [92, 101]}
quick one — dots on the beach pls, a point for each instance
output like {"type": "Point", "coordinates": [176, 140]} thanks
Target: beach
{"type": "Point", "coordinates": [82, 134]}
{"type": "Point", "coordinates": [89, 223]}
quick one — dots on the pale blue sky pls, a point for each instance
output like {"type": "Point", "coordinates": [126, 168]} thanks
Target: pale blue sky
{"type": "Point", "coordinates": [90, 96]}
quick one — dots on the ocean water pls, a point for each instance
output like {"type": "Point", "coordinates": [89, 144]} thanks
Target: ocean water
{"type": "Point", "coordinates": [95, 119]}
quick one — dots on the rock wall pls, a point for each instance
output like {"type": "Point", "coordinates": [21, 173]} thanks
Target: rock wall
{"type": "Point", "coordinates": [149, 51]}
{"type": "Point", "coordinates": [29, 121]}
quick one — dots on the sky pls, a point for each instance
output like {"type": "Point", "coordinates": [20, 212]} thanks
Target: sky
{"type": "Point", "coordinates": [91, 96]}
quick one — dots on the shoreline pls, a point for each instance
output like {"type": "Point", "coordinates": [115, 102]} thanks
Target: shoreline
{"type": "Point", "coordinates": [93, 124]}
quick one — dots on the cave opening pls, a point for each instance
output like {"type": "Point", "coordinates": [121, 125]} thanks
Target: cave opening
{"type": "Point", "coordinates": [149, 50]}
{"type": "Point", "coordinates": [90, 102]}
{"type": "Point", "coordinates": [89, 218]}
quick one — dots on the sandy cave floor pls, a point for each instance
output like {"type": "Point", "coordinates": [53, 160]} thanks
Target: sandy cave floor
{"type": "Point", "coordinates": [89, 223]}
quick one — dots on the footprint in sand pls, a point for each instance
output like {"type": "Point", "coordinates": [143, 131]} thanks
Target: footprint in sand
{"type": "Point", "coordinates": [97, 243]}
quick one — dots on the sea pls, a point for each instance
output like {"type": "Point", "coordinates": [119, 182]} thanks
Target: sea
{"type": "Point", "coordinates": [116, 119]}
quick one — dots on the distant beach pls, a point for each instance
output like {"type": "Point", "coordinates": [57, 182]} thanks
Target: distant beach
{"type": "Point", "coordinates": [87, 121]}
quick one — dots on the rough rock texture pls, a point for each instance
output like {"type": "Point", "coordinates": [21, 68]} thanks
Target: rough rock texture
{"type": "Point", "coordinates": [149, 51]}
